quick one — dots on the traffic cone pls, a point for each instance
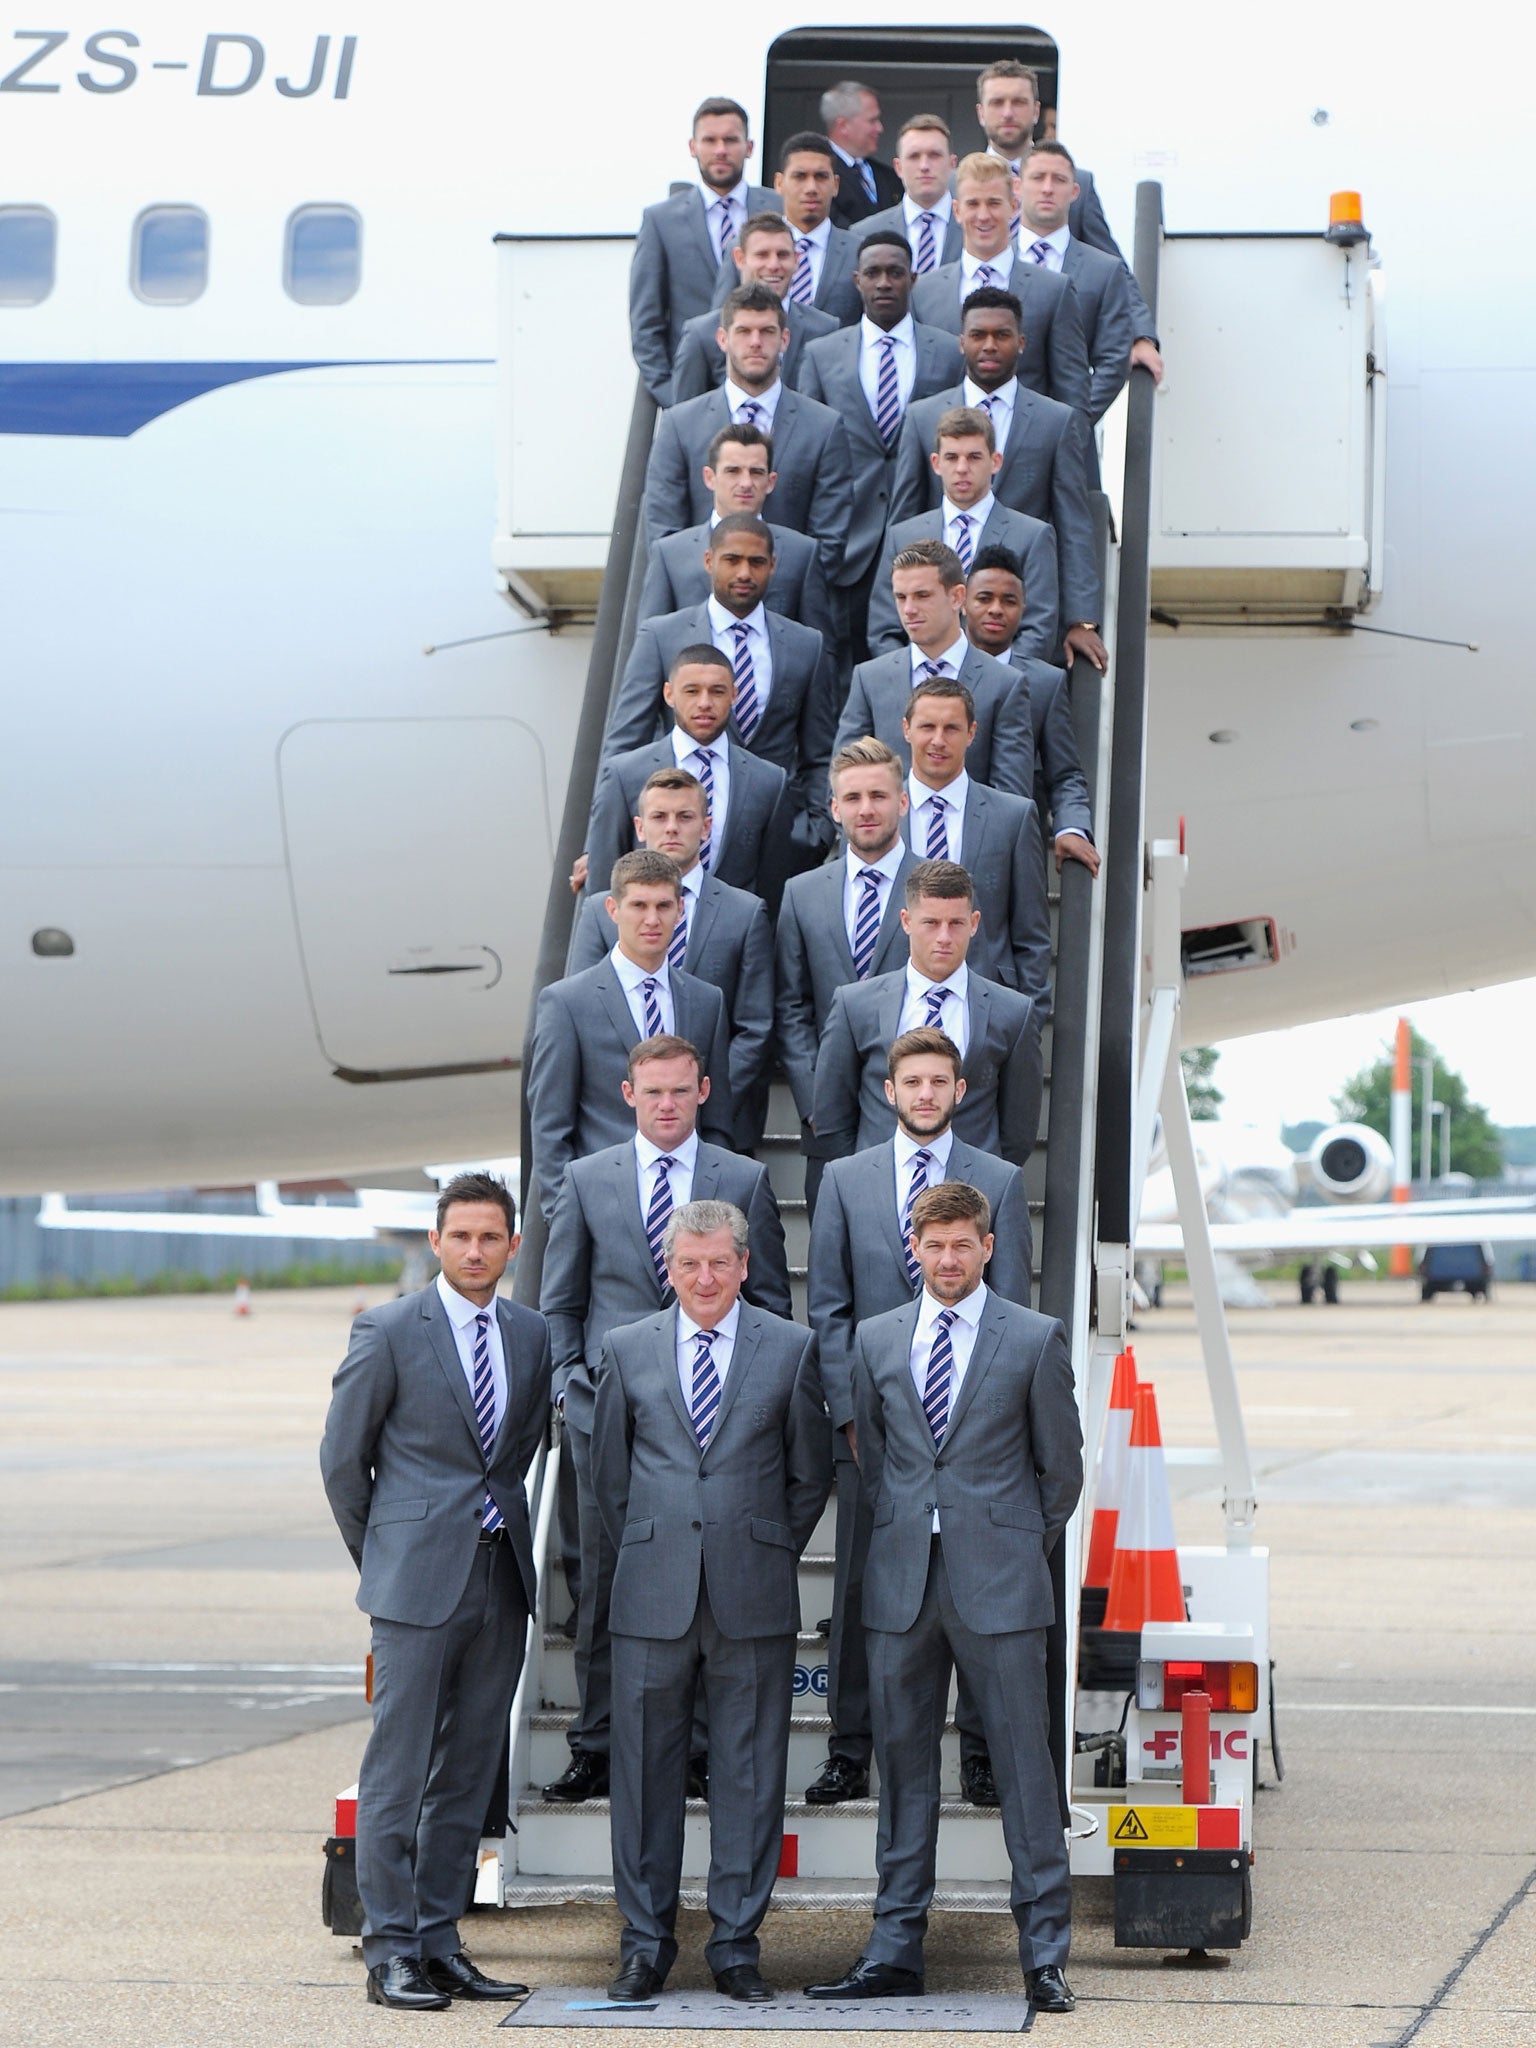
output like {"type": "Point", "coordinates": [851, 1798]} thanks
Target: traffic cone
{"type": "Point", "coordinates": [1111, 1486]}
{"type": "Point", "coordinates": [1144, 1582]}
{"type": "Point", "coordinates": [243, 1298]}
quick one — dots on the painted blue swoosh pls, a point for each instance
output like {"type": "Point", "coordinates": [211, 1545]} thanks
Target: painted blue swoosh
{"type": "Point", "coordinates": [116, 399]}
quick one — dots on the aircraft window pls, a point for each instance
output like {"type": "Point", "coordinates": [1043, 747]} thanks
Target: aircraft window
{"type": "Point", "coordinates": [322, 255]}
{"type": "Point", "coordinates": [28, 237]}
{"type": "Point", "coordinates": [170, 255]}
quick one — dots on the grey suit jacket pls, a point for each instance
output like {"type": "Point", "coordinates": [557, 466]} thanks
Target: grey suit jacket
{"type": "Point", "coordinates": [1103, 289]}
{"type": "Point", "coordinates": [598, 1271]}
{"type": "Point", "coordinates": [813, 960]}
{"type": "Point", "coordinates": [401, 1458]}
{"type": "Point", "coordinates": [1055, 357]}
{"type": "Point", "coordinates": [577, 1060]}
{"type": "Point", "coordinates": [1001, 845]}
{"type": "Point", "coordinates": [730, 945]}
{"type": "Point", "coordinates": [795, 729]}
{"type": "Point", "coordinates": [1045, 472]}
{"type": "Point", "coordinates": [1002, 753]}
{"type": "Point", "coordinates": [857, 1262]}
{"type": "Point", "coordinates": [672, 277]}
{"type": "Point", "coordinates": [814, 492]}
{"type": "Point", "coordinates": [836, 293]}
{"type": "Point", "coordinates": [767, 1467]}
{"type": "Point", "coordinates": [1085, 218]}
{"type": "Point", "coordinates": [830, 373]}
{"type": "Point", "coordinates": [1061, 793]}
{"type": "Point", "coordinates": [699, 364]}
{"type": "Point", "coordinates": [893, 219]}
{"type": "Point", "coordinates": [1005, 1476]}
{"type": "Point", "coordinates": [754, 848]}
{"type": "Point", "coordinates": [1032, 542]}
{"type": "Point", "coordinates": [1002, 1068]}
{"type": "Point", "coordinates": [675, 577]}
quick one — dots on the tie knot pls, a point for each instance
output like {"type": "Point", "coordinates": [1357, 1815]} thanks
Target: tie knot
{"type": "Point", "coordinates": [937, 802]}
{"type": "Point", "coordinates": [803, 244]}
{"type": "Point", "coordinates": [947, 1316]}
{"type": "Point", "coordinates": [963, 522]}
{"type": "Point", "coordinates": [704, 1338]}
{"type": "Point", "coordinates": [649, 985]}
{"type": "Point", "coordinates": [665, 1164]}
{"type": "Point", "coordinates": [928, 219]}
{"type": "Point", "coordinates": [922, 1158]}
{"type": "Point", "coordinates": [933, 668]}
{"type": "Point", "coordinates": [741, 629]}
{"type": "Point", "coordinates": [483, 1320]}
{"type": "Point", "coordinates": [888, 342]}
{"type": "Point", "coordinates": [870, 877]}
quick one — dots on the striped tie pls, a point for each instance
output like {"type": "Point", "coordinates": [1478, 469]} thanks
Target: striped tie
{"type": "Point", "coordinates": [867, 180]}
{"type": "Point", "coordinates": [1039, 252]}
{"type": "Point", "coordinates": [657, 1218]}
{"type": "Point", "coordinates": [705, 1405]}
{"type": "Point", "coordinates": [941, 1367]}
{"type": "Point", "coordinates": [800, 283]}
{"type": "Point", "coordinates": [927, 248]}
{"type": "Point", "coordinates": [747, 709]}
{"type": "Point", "coordinates": [749, 413]}
{"type": "Point", "coordinates": [866, 924]}
{"type": "Point", "coordinates": [921, 1161]}
{"type": "Point", "coordinates": [677, 945]}
{"type": "Point", "coordinates": [485, 1408]}
{"type": "Point", "coordinates": [964, 547]}
{"type": "Point", "coordinates": [985, 275]}
{"type": "Point", "coordinates": [704, 768]}
{"type": "Point", "coordinates": [887, 392]}
{"type": "Point", "coordinates": [648, 989]}
{"type": "Point", "coordinates": [938, 834]}
{"type": "Point", "coordinates": [727, 232]}
{"type": "Point", "coordinates": [935, 1000]}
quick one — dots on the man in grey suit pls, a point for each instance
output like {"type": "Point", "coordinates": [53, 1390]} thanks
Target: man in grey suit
{"type": "Point", "coordinates": [862, 1264]}
{"type": "Point", "coordinates": [969, 518]}
{"type": "Point", "coordinates": [1047, 187]}
{"type": "Point", "coordinates": [436, 1412]}
{"type": "Point", "coordinates": [971, 1448]}
{"type": "Point", "coordinates": [869, 375]}
{"type": "Point", "coordinates": [739, 474]}
{"type": "Point", "coordinates": [1054, 357]}
{"type": "Point", "coordinates": [813, 468]}
{"type": "Point", "coordinates": [683, 238]}
{"type": "Point", "coordinates": [723, 937]}
{"type": "Point", "coordinates": [926, 213]}
{"type": "Point", "coordinates": [751, 810]}
{"type": "Point", "coordinates": [764, 254]}
{"type": "Point", "coordinates": [841, 922]}
{"type": "Point", "coordinates": [996, 1029]}
{"type": "Point", "coordinates": [577, 1054]}
{"type": "Point", "coordinates": [1046, 455]}
{"type": "Point", "coordinates": [785, 702]}
{"type": "Point", "coordinates": [994, 605]}
{"type": "Point", "coordinates": [806, 184]}
{"type": "Point", "coordinates": [710, 1393]}
{"type": "Point", "coordinates": [928, 583]}
{"type": "Point", "coordinates": [603, 1267]}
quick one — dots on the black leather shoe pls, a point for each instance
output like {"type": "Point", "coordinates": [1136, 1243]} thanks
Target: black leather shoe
{"type": "Point", "coordinates": [841, 1778]}
{"type": "Point", "coordinates": [403, 1983]}
{"type": "Point", "coordinates": [458, 1976]}
{"type": "Point", "coordinates": [698, 1777]}
{"type": "Point", "coordinates": [586, 1777]}
{"type": "Point", "coordinates": [742, 1981]}
{"type": "Point", "coordinates": [635, 1983]}
{"type": "Point", "coordinates": [977, 1783]}
{"type": "Point", "coordinates": [1048, 1990]}
{"type": "Point", "coordinates": [872, 1980]}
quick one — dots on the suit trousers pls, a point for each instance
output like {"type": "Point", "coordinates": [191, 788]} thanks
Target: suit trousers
{"type": "Point", "coordinates": [441, 1701]}
{"type": "Point", "coordinates": [747, 1684]}
{"type": "Point", "coordinates": [909, 1688]}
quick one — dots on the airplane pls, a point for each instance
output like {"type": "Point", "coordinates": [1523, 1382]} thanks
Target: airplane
{"type": "Point", "coordinates": [273, 875]}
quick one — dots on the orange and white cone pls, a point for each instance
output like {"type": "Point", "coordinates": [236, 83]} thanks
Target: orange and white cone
{"type": "Point", "coordinates": [1144, 1582]}
{"type": "Point", "coordinates": [243, 1298]}
{"type": "Point", "coordinates": [1112, 1463]}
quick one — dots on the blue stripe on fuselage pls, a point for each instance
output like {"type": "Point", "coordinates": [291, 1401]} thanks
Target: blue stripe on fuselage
{"type": "Point", "coordinates": [116, 399]}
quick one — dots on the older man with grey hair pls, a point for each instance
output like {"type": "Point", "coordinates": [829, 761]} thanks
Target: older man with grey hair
{"type": "Point", "coordinates": [712, 1459]}
{"type": "Point", "coordinates": [850, 115]}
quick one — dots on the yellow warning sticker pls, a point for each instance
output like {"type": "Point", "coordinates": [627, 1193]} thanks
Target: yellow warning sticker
{"type": "Point", "coordinates": [1153, 1827]}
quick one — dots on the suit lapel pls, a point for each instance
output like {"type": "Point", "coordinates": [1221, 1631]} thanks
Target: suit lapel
{"type": "Point", "coordinates": [832, 877]}
{"type": "Point", "coordinates": [666, 1350]}
{"type": "Point", "coordinates": [706, 910]}
{"type": "Point", "coordinates": [885, 1193]}
{"type": "Point", "coordinates": [973, 824]}
{"type": "Point", "coordinates": [626, 1192]}
{"type": "Point", "coordinates": [694, 206]}
{"type": "Point", "coordinates": [616, 1006]}
{"type": "Point", "coordinates": [747, 1335]}
{"type": "Point", "coordinates": [978, 1002]}
{"type": "Point", "coordinates": [786, 412]}
{"type": "Point", "coordinates": [895, 902]}
{"type": "Point", "coordinates": [988, 1339]}
{"type": "Point", "coordinates": [908, 1329]}
{"type": "Point", "coordinates": [1018, 434]}
{"type": "Point", "coordinates": [891, 1000]}
{"type": "Point", "coordinates": [440, 1335]}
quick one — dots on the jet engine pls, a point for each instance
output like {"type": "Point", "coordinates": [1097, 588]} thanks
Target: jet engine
{"type": "Point", "coordinates": [1351, 1163]}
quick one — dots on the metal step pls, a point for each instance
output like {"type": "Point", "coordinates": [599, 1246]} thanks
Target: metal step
{"type": "Point", "coordinates": [549, 1753]}
{"type": "Point", "coordinates": [826, 1894]}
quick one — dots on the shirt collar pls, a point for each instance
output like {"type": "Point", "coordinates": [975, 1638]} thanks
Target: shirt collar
{"type": "Point", "coordinates": [461, 1312]}
{"type": "Point", "coordinates": [768, 400]}
{"type": "Point", "coordinates": [981, 511]}
{"type": "Point", "coordinates": [737, 194]}
{"type": "Point", "coordinates": [954, 654]}
{"type": "Point", "coordinates": [631, 976]}
{"type": "Point", "coordinates": [952, 792]}
{"type": "Point", "coordinates": [721, 621]}
{"type": "Point", "coordinates": [920, 985]}
{"type": "Point", "coordinates": [1014, 163]}
{"type": "Point", "coordinates": [941, 209]}
{"type": "Point", "coordinates": [686, 1154]}
{"type": "Point", "coordinates": [1002, 262]}
{"type": "Point", "coordinates": [968, 1311]}
{"type": "Point", "coordinates": [1057, 240]}
{"type": "Point", "coordinates": [1004, 394]}
{"type": "Point", "coordinates": [688, 1329]}
{"type": "Point", "coordinates": [847, 159]}
{"type": "Point", "coordinates": [903, 331]}
{"type": "Point", "coordinates": [820, 235]}
{"type": "Point", "coordinates": [684, 746]}
{"type": "Point", "coordinates": [693, 881]}
{"type": "Point", "coordinates": [938, 1149]}
{"type": "Point", "coordinates": [886, 865]}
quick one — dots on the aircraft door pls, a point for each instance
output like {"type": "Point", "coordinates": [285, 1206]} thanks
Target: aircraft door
{"type": "Point", "coordinates": [418, 853]}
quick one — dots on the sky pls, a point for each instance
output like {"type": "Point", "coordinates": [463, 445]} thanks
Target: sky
{"type": "Point", "coordinates": [1289, 1076]}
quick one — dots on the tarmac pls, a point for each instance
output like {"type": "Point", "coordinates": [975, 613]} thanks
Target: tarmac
{"type": "Point", "coordinates": [180, 1697]}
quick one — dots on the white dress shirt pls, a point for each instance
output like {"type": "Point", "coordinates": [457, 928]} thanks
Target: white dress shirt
{"type": "Point", "coordinates": [1000, 265]}
{"type": "Point", "coordinates": [767, 401]}
{"type": "Point", "coordinates": [630, 978]}
{"type": "Point", "coordinates": [853, 889]}
{"type": "Point", "coordinates": [1000, 409]}
{"type": "Point", "coordinates": [818, 237]}
{"type": "Point", "coordinates": [954, 1018]}
{"type": "Point", "coordinates": [686, 750]}
{"type": "Point", "coordinates": [907, 1149]}
{"type": "Point", "coordinates": [679, 1179]}
{"type": "Point", "coordinates": [962, 1342]}
{"type": "Point", "coordinates": [1055, 243]}
{"type": "Point", "coordinates": [978, 514]}
{"type": "Point", "coordinates": [920, 808]}
{"type": "Point", "coordinates": [461, 1317]}
{"type": "Point", "coordinates": [724, 1347]}
{"type": "Point", "coordinates": [953, 656]}
{"type": "Point", "coordinates": [735, 201]}
{"type": "Point", "coordinates": [693, 882]}
{"type": "Point", "coordinates": [870, 353]}
{"type": "Point", "coordinates": [942, 209]}
{"type": "Point", "coordinates": [722, 625]}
